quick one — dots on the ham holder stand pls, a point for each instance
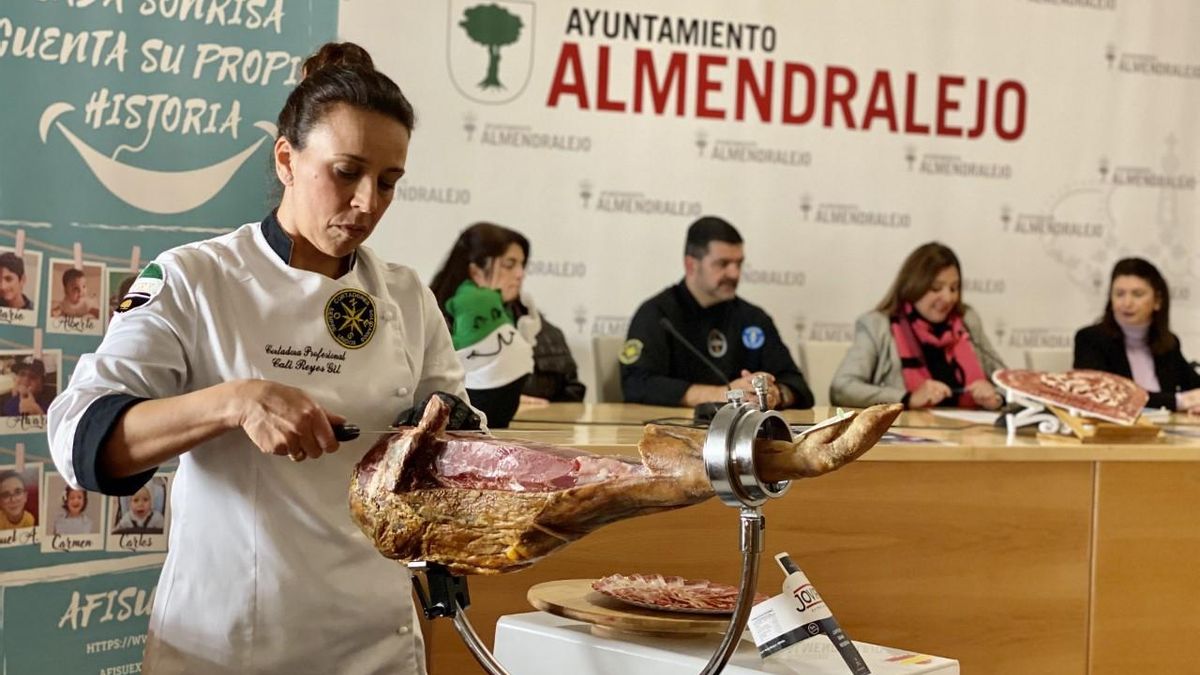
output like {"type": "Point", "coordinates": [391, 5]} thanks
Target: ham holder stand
{"type": "Point", "coordinates": [729, 463]}
{"type": "Point", "coordinates": [1059, 422]}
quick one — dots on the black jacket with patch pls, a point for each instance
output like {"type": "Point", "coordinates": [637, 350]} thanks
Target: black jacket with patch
{"type": "Point", "coordinates": [733, 335]}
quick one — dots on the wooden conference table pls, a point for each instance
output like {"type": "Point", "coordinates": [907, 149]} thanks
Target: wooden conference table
{"type": "Point", "coordinates": [1016, 558]}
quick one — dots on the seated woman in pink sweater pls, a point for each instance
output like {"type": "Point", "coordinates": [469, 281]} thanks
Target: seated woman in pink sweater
{"type": "Point", "coordinates": [1134, 338]}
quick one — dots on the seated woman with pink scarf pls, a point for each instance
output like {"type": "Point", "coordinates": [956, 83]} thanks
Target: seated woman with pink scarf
{"type": "Point", "coordinates": [921, 346]}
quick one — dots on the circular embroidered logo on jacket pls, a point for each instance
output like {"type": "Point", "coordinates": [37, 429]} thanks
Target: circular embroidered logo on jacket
{"type": "Point", "coordinates": [144, 288]}
{"type": "Point", "coordinates": [350, 317]}
{"type": "Point", "coordinates": [631, 352]}
{"type": "Point", "coordinates": [717, 344]}
{"type": "Point", "coordinates": [753, 337]}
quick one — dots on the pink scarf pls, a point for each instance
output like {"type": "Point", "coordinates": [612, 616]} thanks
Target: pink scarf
{"type": "Point", "coordinates": [956, 342]}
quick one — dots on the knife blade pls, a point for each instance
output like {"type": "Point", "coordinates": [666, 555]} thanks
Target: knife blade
{"type": "Point", "coordinates": [349, 432]}
{"type": "Point", "coordinates": [841, 416]}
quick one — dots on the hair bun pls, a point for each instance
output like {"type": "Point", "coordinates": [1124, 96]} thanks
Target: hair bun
{"type": "Point", "coordinates": [338, 55]}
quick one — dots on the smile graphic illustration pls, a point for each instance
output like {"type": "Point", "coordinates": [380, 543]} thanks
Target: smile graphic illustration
{"type": "Point", "coordinates": [164, 192]}
{"type": "Point", "coordinates": [504, 338]}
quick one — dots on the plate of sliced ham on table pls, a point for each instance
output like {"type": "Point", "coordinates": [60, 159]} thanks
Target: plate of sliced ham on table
{"type": "Point", "coordinates": [671, 593]}
{"type": "Point", "coordinates": [1091, 393]}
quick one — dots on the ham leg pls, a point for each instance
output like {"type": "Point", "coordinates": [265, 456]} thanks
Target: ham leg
{"type": "Point", "coordinates": [483, 505]}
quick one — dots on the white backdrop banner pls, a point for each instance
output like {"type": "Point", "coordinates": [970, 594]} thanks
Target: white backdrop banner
{"type": "Point", "coordinates": [1042, 140]}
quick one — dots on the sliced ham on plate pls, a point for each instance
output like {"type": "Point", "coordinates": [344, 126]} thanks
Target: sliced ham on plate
{"type": "Point", "coordinates": [1092, 393]}
{"type": "Point", "coordinates": [670, 593]}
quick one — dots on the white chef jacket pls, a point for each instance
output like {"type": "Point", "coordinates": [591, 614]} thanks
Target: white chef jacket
{"type": "Point", "coordinates": [266, 572]}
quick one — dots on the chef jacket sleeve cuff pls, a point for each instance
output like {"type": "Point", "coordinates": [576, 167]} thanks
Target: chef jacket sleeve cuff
{"type": "Point", "coordinates": [91, 434]}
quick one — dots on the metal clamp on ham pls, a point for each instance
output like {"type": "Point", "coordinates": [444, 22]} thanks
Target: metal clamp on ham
{"type": "Point", "coordinates": [450, 504]}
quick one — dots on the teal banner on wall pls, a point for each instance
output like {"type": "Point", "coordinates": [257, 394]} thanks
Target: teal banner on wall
{"type": "Point", "coordinates": [128, 127]}
{"type": "Point", "coordinates": [145, 114]}
{"type": "Point", "coordinates": [92, 623]}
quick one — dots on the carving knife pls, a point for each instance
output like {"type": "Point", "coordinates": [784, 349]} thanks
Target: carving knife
{"type": "Point", "coordinates": [349, 432]}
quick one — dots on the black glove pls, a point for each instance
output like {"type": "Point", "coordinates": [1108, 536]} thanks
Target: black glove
{"type": "Point", "coordinates": [462, 416]}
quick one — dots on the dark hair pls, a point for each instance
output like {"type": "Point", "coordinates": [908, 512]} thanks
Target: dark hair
{"type": "Point", "coordinates": [37, 366]}
{"type": "Point", "coordinates": [126, 284]}
{"type": "Point", "coordinates": [340, 72]}
{"type": "Point", "coordinates": [67, 493]}
{"type": "Point", "coordinates": [9, 473]}
{"type": "Point", "coordinates": [480, 244]}
{"type": "Point", "coordinates": [708, 229]}
{"type": "Point", "coordinates": [916, 276]}
{"type": "Point", "coordinates": [1159, 338]}
{"type": "Point", "coordinates": [70, 275]}
{"type": "Point", "coordinates": [12, 261]}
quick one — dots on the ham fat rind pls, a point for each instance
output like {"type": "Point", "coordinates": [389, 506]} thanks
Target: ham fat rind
{"type": "Point", "coordinates": [483, 505]}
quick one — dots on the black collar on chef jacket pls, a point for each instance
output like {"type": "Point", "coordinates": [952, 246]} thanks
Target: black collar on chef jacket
{"type": "Point", "coordinates": [281, 242]}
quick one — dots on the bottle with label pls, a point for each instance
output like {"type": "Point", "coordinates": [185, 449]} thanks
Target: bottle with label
{"type": "Point", "coordinates": [781, 624]}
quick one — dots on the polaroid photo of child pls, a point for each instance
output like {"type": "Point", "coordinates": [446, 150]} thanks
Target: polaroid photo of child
{"type": "Point", "coordinates": [76, 298]}
{"type": "Point", "coordinates": [27, 386]}
{"type": "Point", "coordinates": [141, 521]}
{"type": "Point", "coordinates": [119, 281]}
{"type": "Point", "coordinates": [20, 284]}
{"type": "Point", "coordinates": [20, 492]}
{"type": "Point", "coordinates": [72, 518]}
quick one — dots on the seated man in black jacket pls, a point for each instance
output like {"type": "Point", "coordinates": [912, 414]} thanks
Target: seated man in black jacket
{"type": "Point", "coordinates": [735, 340]}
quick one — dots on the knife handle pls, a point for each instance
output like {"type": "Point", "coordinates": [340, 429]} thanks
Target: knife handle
{"type": "Point", "coordinates": [346, 432]}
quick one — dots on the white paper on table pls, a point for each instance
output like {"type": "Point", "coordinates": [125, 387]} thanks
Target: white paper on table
{"type": "Point", "coordinates": [1156, 415]}
{"type": "Point", "coordinates": [972, 416]}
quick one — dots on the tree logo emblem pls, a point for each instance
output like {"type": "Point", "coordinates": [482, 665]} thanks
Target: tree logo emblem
{"type": "Point", "coordinates": [490, 48]}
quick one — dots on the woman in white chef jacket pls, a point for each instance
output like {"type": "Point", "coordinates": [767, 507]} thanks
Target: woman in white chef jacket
{"type": "Point", "coordinates": [240, 352]}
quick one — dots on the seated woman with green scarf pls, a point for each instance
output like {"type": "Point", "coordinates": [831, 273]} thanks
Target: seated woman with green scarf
{"type": "Point", "coordinates": [480, 277]}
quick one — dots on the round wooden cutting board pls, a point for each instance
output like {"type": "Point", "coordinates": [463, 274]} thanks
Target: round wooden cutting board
{"type": "Point", "coordinates": [575, 599]}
